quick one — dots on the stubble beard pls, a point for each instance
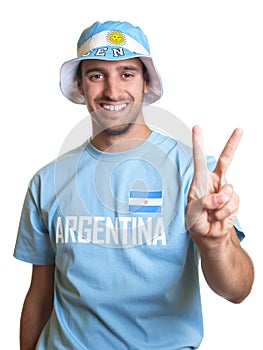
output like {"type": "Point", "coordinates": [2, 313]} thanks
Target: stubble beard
{"type": "Point", "coordinates": [120, 128]}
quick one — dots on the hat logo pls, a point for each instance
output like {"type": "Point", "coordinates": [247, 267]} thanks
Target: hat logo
{"type": "Point", "coordinates": [116, 38]}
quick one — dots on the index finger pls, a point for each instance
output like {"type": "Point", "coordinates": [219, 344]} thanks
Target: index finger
{"type": "Point", "coordinates": [228, 152]}
{"type": "Point", "coordinates": [200, 165]}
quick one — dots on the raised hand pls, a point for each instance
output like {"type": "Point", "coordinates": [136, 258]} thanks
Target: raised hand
{"type": "Point", "coordinates": [212, 204]}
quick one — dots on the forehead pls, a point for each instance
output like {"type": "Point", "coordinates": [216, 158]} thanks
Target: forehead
{"type": "Point", "coordinates": [131, 62]}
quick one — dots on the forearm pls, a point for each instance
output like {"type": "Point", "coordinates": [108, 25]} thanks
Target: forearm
{"type": "Point", "coordinates": [33, 319]}
{"type": "Point", "coordinates": [227, 268]}
{"type": "Point", "coordinates": [37, 307]}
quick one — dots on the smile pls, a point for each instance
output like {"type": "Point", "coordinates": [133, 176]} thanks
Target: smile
{"type": "Point", "coordinates": [114, 108]}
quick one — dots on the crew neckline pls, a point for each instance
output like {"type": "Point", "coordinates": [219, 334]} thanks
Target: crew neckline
{"type": "Point", "coordinates": [113, 156]}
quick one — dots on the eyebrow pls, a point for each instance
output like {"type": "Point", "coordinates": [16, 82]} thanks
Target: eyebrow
{"type": "Point", "coordinates": [119, 68]}
{"type": "Point", "coordinates": [128, 68]}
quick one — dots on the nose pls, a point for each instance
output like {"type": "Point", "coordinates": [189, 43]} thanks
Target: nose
{"type": "Point", "coordinates": [113, 89]}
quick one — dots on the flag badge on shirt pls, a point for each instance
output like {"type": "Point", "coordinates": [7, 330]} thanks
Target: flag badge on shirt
{"type": "Point", "coordinates": [145, 201]}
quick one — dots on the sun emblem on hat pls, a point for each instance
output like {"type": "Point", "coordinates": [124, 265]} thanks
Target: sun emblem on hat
{"type": "Point", "coordinates": [116, 38]}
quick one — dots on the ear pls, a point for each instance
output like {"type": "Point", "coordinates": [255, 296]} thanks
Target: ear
{"type": "Point", "coordinates": [80, 88]}
{"type": "Point", "coordinates": [146, 82]}
{"type": "Point", "coordinates": [146, 87]}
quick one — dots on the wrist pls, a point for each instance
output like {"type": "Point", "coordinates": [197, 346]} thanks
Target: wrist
{"type": "Point", "coordinates": [212, 242]}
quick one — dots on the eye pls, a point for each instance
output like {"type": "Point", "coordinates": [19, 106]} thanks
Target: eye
{"type": "Point", "coordinates": [127, 75]}
{"type": "Point", "coordinates": [96, 76]}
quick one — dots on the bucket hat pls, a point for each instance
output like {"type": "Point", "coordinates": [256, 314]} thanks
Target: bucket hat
{"type": "Point", "coordinates": [111, 40]}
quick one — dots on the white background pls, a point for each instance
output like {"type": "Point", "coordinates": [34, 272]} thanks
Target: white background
{"type": "Point", "coordinates": [209, 55]}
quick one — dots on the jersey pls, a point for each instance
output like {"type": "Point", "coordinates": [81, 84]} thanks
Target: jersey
{"type": "Point", "coordinates": [126, 269]}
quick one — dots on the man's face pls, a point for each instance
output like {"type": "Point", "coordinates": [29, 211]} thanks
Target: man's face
{"type": "Point", "coordinates": [114, 92]}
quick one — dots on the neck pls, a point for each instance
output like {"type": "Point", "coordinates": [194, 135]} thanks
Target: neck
{"type": "Point", "coordinates": [133, 137]}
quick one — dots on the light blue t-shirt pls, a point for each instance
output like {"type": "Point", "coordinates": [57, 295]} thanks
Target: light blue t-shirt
{"type": "Point", "coordinates": [126, 270]}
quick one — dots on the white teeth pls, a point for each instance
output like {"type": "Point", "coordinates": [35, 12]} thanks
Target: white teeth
{"type": "Point", "coordinates": [114, 108]}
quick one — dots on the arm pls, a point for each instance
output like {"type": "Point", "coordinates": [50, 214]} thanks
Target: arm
{"type": "Point", "coordinates": [37, 306]}
{"type": "Point", "coordinates": [211, 211]}
{"type": "Point", "coordinates": [227, 268]}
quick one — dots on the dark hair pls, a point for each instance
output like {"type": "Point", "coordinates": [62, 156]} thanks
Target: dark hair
{"type": "Point", "coordinates": [78, 72]}
{"type": "Point", "coordinates": [145, 73]}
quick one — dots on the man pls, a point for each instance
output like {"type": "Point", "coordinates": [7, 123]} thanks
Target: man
{"type": "Point", "coordinates": [115, 228]}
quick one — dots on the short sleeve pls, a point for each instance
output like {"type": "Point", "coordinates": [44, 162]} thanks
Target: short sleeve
{"type": "Point", "coordinates": [239, 231]}
{"type": "Point", "coordinates": [33, 243]}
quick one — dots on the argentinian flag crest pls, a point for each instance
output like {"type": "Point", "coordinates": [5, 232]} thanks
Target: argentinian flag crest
{"type": "Point", "coordinates": [145, 201]}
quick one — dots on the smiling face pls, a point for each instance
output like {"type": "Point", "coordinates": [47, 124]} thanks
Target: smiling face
{"type": "Point", "coordinates": [114, 92]}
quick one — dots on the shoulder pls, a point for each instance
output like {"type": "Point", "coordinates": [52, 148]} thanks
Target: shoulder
{"type": "Point", "coordinates": [169, 143]}
{"type": "Point", "coordinates": [52, 177]}
{"type": "Point", "coordinates": [62, 162]}
{"type": "Point", "coordinates": [180, 152]}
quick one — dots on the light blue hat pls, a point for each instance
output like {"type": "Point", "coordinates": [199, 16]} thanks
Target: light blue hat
{"type": "Point", "coordinates": [110, 41]}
